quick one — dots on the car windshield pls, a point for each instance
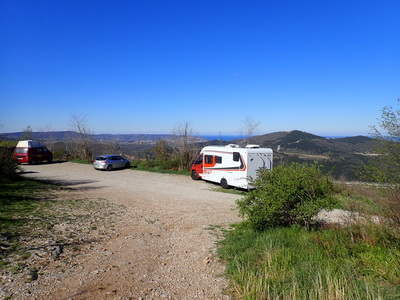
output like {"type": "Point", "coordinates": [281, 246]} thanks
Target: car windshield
{"type": "Point", "coordinates": [101, 158]}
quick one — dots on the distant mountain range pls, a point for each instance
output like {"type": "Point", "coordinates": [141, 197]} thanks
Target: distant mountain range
{"type": "Point", "coordinates": [65, 135]}
{"type": "Point", "coordinates": [283, 141]}
{"type": "Point", "coordinates": [340, 156]}
{"type": "Point", "coordinates": [302, 142]}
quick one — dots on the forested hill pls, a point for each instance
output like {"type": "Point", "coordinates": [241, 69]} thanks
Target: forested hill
{"type": "Point", "coordinates": [303, 142]}
{"type": "Point", "coordinates": [341, 157]}
{"type": "Point", "coordinates": [282, 141]}
{"type": "Point", "coordinates": [295, 140]}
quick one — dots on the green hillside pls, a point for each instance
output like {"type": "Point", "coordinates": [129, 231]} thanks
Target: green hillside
{"type": "Point", "coordinates": [343, 157]}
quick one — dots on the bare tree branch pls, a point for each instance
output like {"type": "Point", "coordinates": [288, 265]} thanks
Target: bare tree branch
{"type": "Point", "coordinates": [250, 126]}
{"type": "Point", "coordinates": [183, 133]}
{"type": "Point", "coordinates": [84, 140]}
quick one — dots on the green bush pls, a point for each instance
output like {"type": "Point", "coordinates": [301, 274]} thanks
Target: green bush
{"type": "Point", "coordinates": [287, 195]}
{"type": "Point", "coordinates": [8, 166]}
{"type": "Point", "coordinates": [169, 164]}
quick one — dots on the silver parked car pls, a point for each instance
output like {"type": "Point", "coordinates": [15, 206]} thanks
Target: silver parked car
{"type": "Point", "coordinates": [110, 162]}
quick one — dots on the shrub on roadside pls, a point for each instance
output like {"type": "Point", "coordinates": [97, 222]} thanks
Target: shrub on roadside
{"type": "Point", "coordinates": [287, 195]}
{"type": "Point", "coordinates": [8, 166]}
{"type": "Point", "coordinates": [170, 164]}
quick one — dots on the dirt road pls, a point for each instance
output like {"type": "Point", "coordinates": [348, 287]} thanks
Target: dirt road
{"type": "Point", "coordinates": [163, 246]}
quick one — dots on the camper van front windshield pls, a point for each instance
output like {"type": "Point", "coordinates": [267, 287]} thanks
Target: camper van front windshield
{"type": "Point", "coordinates": [199, 160]}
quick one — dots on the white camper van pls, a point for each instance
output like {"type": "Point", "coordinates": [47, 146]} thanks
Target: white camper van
{"type": "Point", "coordinates": [231, 165]}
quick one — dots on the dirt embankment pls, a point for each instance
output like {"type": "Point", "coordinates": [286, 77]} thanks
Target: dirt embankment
{"type": "Point", "coordinates": [161, 244]}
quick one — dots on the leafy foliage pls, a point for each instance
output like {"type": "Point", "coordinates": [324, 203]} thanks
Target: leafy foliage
{"type": "Point", "coordinates": [386, 169]}
{"type": "Point", "coordinates": [162, 150]}
{"type": "Point", "coordinates": [8, 166]}
{"type": "Point", "coordinates": [287, 195]}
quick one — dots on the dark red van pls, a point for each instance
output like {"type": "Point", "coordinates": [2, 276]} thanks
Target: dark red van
{"type": "Point", "coordinates": [31, 152]}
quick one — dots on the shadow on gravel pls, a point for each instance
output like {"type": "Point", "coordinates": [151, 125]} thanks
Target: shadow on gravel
{"type": "Point", "coordinates": [80, 185]}
{"type": "Point", "coordinates": [28, 172]}
{"type": "Point", "coordinates": [54, 162]}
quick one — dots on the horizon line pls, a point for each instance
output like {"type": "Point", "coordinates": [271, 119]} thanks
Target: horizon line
{"type": "Point", "coordinates": [326, 135]}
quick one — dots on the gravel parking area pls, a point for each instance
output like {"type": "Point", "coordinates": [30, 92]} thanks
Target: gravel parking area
{"type": "Point", "coordinates": [162, 246]}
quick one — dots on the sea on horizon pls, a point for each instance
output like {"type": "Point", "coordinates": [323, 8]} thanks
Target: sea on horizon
{"type": "Point", "coordinates": [221, 137]}
{"type": "Point", "coordinates": [239, 137]}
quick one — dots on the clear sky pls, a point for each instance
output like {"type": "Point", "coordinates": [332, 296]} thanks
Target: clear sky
{"type": "Point", "coordinates": [325, 67]}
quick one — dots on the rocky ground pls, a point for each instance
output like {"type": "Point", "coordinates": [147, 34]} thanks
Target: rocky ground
{"type": "Point", "coordinates": [134, 235]}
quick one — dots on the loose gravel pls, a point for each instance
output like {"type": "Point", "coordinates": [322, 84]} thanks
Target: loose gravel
{"type": "Point", "coordinates": [160, 242]}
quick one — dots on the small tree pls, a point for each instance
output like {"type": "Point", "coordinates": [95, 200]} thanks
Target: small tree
{"type": "Point", "coordinates": [8, 166]}
{"type": "Point", "coordinates": [183, 133]}
{"type": "Point", "coordinates": [250, 126]}
{"type": "Point", "coordinates": [161, 150]}
{"type": "Point", "coordinates": [27, 133]}
{"type": "Point", "coordinates": [388, 145]}
{"type": "Point", "coordinates": [386, 167]}
{"type": "Point", "coordinates": [287, 195]}
{"type": "Point", "coordinates": [83, 142]}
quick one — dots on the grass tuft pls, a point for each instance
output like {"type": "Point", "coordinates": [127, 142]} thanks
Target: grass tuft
{"type": "Point", "coordinates": [359, 262]}
{"type": "Point", "coordinates": [31, 215]}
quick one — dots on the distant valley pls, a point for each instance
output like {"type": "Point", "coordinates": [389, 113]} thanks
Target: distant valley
{"type": "Point", "coordinates": [342, 157]}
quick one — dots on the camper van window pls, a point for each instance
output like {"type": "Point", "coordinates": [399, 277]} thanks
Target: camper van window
{"type": "Point", "coordinates": [199, 160]}
{"type": "Point", "coordinates": [209, 159]}
{"type": "Point", "coordinates": [218, 159]}
{"type": "Point", "coordinates": [236, 156]}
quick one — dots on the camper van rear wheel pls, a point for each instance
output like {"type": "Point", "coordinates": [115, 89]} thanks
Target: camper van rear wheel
{"type": "Point", "coordinates": [224, 183]}
{"type": "Point", "coordinates": [195, 176]}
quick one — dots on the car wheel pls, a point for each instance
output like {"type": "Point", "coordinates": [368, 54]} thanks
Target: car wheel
{"type": "Point", "coordinates": [128, 165]}
{"type": "Point", "coordinates": [195, 175]}
{"type": "Point", "coordinates": [224, 183]}
{"type": "Point", "coordinates": [109, 168]}
{"type": "Point", "coordinates": [49, 161]}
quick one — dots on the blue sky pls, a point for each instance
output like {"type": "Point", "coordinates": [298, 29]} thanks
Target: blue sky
{"type": "Point", "coordinates": [325, 67]}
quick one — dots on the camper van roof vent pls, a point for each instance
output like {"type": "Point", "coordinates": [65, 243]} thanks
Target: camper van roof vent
{"type": "Point", "coordinates": [232, 146]}
{"type": "Point", "coordinates": [252, 146]}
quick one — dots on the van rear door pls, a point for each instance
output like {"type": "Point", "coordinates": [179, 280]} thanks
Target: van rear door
{"type": "Point", "coordinates": [21, 155]}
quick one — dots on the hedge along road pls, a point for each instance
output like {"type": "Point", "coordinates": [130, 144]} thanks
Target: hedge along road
{"type": "Point", "coordinates": [162, 246]}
